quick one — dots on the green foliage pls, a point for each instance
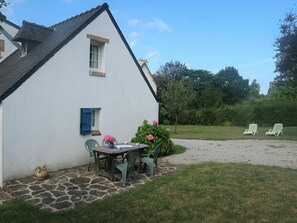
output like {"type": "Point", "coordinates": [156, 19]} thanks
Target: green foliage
{"type": "Point", "coordinates": [286, 47]}
{"type": "Point", "coordinates": [288, 92]}
{"type": "Point", "coordinates": [160, 136]}
{"type": "Point", "coordinates": [264, 112]}
{"type": "Point", "coordinates": [2, 4]}
{"type": "Point", "coordinates": [191, 95]}
{"type": "Point", "coordinates": [235, 89]}
{"type": "Point", "coordinates": [176, 98]}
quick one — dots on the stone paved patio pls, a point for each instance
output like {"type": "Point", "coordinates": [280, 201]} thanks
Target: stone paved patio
{"type": "Point", "coordinates": [74, 187]}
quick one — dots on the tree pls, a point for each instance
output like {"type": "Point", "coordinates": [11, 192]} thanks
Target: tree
{"type": "Point", "coordinates": [286, 56]}
{"type": "Point", "coordinates": [176, 98]}
{"type": "Point", "coordinates": [254, 91]}
{"type": "Point", "coordinates": [233, 86]}
{"type": "Point", "coordinates": [2, 4]}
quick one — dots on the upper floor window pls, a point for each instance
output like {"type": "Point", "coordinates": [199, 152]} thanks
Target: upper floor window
{"type": "Point", "coordinates": [97, 55]}
{"type": "Point", "coordinates": [2, 49]}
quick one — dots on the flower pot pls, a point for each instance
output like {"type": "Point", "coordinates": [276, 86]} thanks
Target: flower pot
{"type": "Point", "coordinates": [111, 145]}
{"type": "Point", "coordinates": [41, 175]}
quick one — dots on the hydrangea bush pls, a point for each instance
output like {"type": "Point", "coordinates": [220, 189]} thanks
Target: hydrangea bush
{"type": "Point", "coordinates": [152, 135]}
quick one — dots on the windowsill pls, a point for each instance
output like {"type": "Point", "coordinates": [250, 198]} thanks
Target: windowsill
{"type": "Point", "coordinates": [97, 73]}
{"type": "Point", "coordinates": [96, 133]}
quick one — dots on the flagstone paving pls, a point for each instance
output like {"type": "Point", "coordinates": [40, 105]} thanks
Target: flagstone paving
{"type": "Point", "coordinates": [72, 188]}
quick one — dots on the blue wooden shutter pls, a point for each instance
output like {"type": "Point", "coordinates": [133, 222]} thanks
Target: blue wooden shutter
{"type": "Point", "coordinates": [85, 121]}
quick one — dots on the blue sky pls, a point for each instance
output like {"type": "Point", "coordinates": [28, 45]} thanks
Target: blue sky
{"type": "Point", "coordinates": [203, 34]}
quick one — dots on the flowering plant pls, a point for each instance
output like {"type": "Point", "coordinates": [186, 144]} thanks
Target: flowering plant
{"type": "Point", "coordinates": [150, 137]}
{"type": "Point", "coordinates": [109, 139]}
{"type": "Point", "coordinates": [155, 122]}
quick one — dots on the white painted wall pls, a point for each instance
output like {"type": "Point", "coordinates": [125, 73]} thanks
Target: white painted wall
{"type": "Point", "coordinates": [1, 173]}
{"type": "Point", "coordinates": [9, 48]}
{"type": "Point", "coordinates": [41, 118]}
{"type": "Point", "coordinates": [149, 76]}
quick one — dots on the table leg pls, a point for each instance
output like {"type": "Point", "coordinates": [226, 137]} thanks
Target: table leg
{"type": "Point", "coordinates": [112, 167]}
{"type": "Point", "coordinates": [96, 161]}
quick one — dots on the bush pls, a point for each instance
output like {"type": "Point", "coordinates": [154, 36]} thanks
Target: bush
{"type": "Point", "coordinates": [152, 135]}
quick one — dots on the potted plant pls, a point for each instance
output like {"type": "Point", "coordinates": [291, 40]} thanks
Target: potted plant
{"type": "Point", "coordinates": [41, 172]}
{"type": "Point", "coordinates": [109, 140]}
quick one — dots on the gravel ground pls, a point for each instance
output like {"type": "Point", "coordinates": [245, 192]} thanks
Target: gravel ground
{"type": "Point", "coordinates": [266, 152]}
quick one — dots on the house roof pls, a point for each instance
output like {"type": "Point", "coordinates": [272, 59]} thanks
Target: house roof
{"type": "Point", "coordinates": [15, 70]}
{"type": "Point", "coordinates": [32, 31]}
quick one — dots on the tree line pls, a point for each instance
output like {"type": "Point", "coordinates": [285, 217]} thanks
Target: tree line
{"type": "Point", "coordinates": [208, 97]}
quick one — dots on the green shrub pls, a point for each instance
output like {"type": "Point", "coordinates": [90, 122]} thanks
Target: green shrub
{"type": "Point", "coordinates": [152, 135]}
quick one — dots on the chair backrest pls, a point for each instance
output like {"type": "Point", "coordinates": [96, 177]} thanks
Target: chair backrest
{"type": "Point", "coordinates": [90, 144]}
{"type": "Point", "coordinates": [156, 152]}
{"type": "Point", "coordinates": [277, 127]}
{"type": "Point", "coordinates": [253, 127]}
{"type": "Point", "coordinates": [131, 158]}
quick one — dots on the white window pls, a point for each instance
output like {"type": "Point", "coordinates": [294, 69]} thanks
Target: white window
{"type": "Point", "coordinates": [97, 55]}
{"type": "Point", "coordinates": [95, 52]}
{"type": "Point", "coordinates": [95, 119]}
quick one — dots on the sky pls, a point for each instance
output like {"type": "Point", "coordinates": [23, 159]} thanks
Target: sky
{"type": "Point", "coordinates": [204, 34]}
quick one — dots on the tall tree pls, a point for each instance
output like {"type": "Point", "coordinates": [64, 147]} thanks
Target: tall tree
{"type": "Point", "coordinates": [254, 91]}
{"type": "Point", "coordinates": [233, 86]}
{"type": "Point", "coordinates": [2, 4]}
{"type": "Point", "coordinates": [170, 71]}
{"type": "Point", "coordinates": [286, 56]}
{"type": "Point", "coordinates": [176, 98]}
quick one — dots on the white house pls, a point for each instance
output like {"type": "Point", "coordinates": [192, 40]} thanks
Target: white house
{"type": "Point", "coordinates": [7, 45]}
{"type": "Point", "coordinates": [144, 65]}
{"type": "Point", "coordinates": [66, 83]}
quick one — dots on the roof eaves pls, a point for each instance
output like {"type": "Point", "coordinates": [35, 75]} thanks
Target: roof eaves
{"type": "Point", "coordinates": [11, 24]}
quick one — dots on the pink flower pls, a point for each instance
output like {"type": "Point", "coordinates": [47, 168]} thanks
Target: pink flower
{"type": "Point", "coordinates": [109, 138]}
{"type": "Point", "coordinates": [150, 137]}
{"type": "Point", "coordinates": [155, 122]}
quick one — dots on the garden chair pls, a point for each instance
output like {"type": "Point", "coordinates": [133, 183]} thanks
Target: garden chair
{"type": "Point", "coordinates": [90, 144]}
{"type": "Point", "coordinates": [126, 167]}
{"type": "Point", "coordinates": [252, 130]}
{"type": "Point", "coordinates": [276, 130]}
{"type": "Point", "coordinates": [151, 159]}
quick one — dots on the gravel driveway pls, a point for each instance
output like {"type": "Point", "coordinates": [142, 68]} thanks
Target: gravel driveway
{"type": "Point", "coordinates": [267, 152]}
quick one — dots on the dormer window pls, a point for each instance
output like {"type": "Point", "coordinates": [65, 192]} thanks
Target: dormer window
{"type": "Point", "coordinates": [1, 47]}
{"type": "Point", "coordinates": [24, 49]}
{"type": "Point", "coordinates": [97, 55]}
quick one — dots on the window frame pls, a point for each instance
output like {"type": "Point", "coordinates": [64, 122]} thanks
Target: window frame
{"type": "Point", "coordinates": [100, 43]}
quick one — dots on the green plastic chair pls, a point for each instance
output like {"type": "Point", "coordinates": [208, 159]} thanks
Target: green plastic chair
{"type": "Point", "coordinates": [126, 167]}
{"type": "Point", "coordinates": [89, 145]}
{"type": "Point", "coordinates": [276, 130]}
{"type": "Point", "coordinates": [252, 130]}
{"type": "Point", "coordinates": [151, 159]}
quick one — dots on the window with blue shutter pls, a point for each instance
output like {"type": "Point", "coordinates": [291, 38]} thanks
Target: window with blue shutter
{"type": "Point", "coordinates": [85, 121]}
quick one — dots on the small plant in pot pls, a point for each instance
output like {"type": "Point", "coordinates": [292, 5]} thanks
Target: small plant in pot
{"type": "Point", "coordinates": [41, 172]}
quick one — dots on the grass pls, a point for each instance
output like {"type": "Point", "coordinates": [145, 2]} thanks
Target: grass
{"type": "Point", "coordinates": [208, 192]}
{"type": "Point", "coordinates": [226, 133]}
{"type": "Point", "coordinates": [198, 193]}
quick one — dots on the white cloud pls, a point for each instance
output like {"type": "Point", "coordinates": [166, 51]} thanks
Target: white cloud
{"type": "Point", "coordinates": [159, 24]}
{"type": "Point", "coordinates": [263, 61]}
{"type": "Point", "coordinates": [67, 1]}
{"type": "Point", "coordinates": [152, 55]}
{"type": "Point", "coordinates": [134, 22]}
{"type": "Point", "coordinates": [134, 35]}
{"type": "Point", "coordinates": [133, 43]}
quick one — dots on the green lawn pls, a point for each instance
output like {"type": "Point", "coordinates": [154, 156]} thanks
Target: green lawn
{"type": "Point", "coordinates": [198, 193]}
{"type": "Point", "coordinates": [226, 132]}
{"type": "Point", "coordinates": [208, 192]}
